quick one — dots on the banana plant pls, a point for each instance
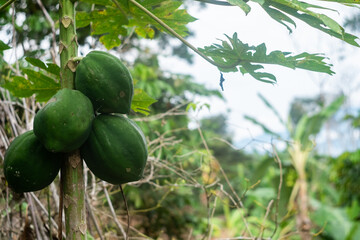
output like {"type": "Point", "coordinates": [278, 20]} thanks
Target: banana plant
{"type": "Point", "coordinates": [299, 147]}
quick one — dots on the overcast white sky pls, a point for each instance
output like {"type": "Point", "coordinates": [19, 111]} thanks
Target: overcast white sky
{"type": "Point", "coordinates": [241, 91]}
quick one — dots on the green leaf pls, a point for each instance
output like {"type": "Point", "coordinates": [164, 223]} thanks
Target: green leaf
{"type": "Point", "coordinates": [279, 17]}
{"type": "Point", "coordinates": [108, 22]}
{"type": "Point", "coordinates": [167, 11]}
{"type": "Point", "coordinates": [36, 83]}
{"type": "Point", "coordinates": [343, 1]}
{"type": "Point", "coordinates": [280, 9]}
{"type": "Point", "coordinates": [110, 40]}
{"type": "Point", "coordinates": [240, 3]}
{"type": "Point", "coordinates": [141, 102]}
{"type": "Point", "coordinates": [234, 55]}
{"type": "Point", "coordinates": [49, 67]}
{"type": "Point", "coordinates": [112, 21]}
{"type": "Point", "coordinates": [3, 46]}
{"type": "Point", "coordinates": [311, 125]}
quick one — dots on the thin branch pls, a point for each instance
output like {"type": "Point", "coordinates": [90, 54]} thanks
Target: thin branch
{"type": "Point", "coordinates": [118, 224]}
{"type": "Point", "coordinates": [33, 214]}
{"type": "Point", "coordinates": [42, 207]}
{"type": "Point", "coordinates": [262, 229]}
{"type": "Point", "coordinates": [239, 202]}
{"type": "Point", "coordinates": [14, 39]}
{"type": "Point", "coordinates": [178, 36]}
{"type": "Point", "coordinates": [127, 212]}
{"type": "Point", "coordinates": [279, 191]}
{"type": "Point", "coordinates": [92, 216]}
{"type": "Point", "coordinates": [6, 4]}
{"type": "Point", "coordinates": [53, 31]}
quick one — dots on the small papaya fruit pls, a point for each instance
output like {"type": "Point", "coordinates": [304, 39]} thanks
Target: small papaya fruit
{"type": "Point", "coordinates": [116, 149]}
{"type": "Point", "coordinates": [104, 79]}
{"type": "Point", "coordinates": [64, 123]}
{"type": "Point", "coordinates": [28, 166]}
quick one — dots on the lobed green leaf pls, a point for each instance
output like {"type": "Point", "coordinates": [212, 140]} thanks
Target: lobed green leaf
{"type": "Point", "coordinates": [141, 102]}
{"type": "Point", "coordinates": [112, 22]}
{"type": "Point", "coordinates": [282, 10]}
{"type": "Point", "coordinates": [234, 55]}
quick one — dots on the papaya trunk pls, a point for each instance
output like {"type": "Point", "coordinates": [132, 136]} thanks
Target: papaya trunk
{"type": "Point", "coordinates": [72, 171]}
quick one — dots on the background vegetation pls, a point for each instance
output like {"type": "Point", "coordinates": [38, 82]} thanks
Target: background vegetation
{"type": "Point", "coordinates": [197, 184]}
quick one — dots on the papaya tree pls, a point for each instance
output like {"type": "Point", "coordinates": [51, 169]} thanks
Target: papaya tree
{"type": "Point", "coordinates": [112, 23]}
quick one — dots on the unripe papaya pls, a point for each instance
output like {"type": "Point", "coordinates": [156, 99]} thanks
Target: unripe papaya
{"type": "Point", "coordinates": [28, 166]}
{"type": "Point", "coordinates": [64, 123]}
{"type": "Point", "coordinates": [104, 79]}
{"type": "Point", "coordinates": [116, 149]}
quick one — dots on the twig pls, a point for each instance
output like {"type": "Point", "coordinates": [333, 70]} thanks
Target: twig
{"type": "Point", "coordinates": [127, 212]}
{"type": "Point", "coordinates": [92, 216]}
{"type": "Point", "coordinates": [14, 39]}
{"type": "Point", "coordinates": [33, 214]}
{"type": "Point", "coordinates": [49, 213]}
{"type": "Point", "coordinates": [7, 213]}
{"type": "Point", "coordinates": [211, 216]}
{"type": "Point", "coordinates": [279, 191]}
{"type": "Point", "coordinates": [265, 217]}
{"type": "Point", "coordinates": [113, 211]}
{"type": "Point", "coordinates": [6, 4]}
{"type": "Point", "coordinates": [53, 31]}
{"type": "Point", "coordinates": [42, 207]}
{"type": "Point", "coordinates": [239, 202]}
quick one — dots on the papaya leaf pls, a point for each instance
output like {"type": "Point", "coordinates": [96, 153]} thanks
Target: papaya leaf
{"type": "Point", "coordinates": [281, 10]}
{"type": "Point", "coordinates": [167, 11]}
{"type": "Point", "coordinates": [36, 83]}
{"type": "Point", "coordinates": [112, 21]}
{"type": "Point", "coordinates": [3, 46]}
{"type": "Point", "coordinates": [239, 56]}
{"type": "Point", "coordinates": [141, 101]}
{"type": "Point", "coordinates": [49, 67]}
{"type": "Point", "coordinates": [242, 4]}
{"type": "Point", "coordinates": [280, 17]}
{"type": "Point", "coordinates": [343, 1]}
{"type": "Point", "coordinates": [107, 22]}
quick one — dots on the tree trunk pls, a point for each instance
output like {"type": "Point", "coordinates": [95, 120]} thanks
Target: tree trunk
{"type": "Point", "coordinates": [303, 221]}
{"type": "Point", "coordinates": [72, 171]}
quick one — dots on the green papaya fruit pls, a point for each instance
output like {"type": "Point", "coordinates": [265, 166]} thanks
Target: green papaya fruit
{"type": "Point", "coordinates": [28, 166]}
{"type": "Point", "coordinates": [116, 149]}
{"type": "Point", "coordinates": [104, 79]}
{"type": "Point", "coordinates": [64, 123]}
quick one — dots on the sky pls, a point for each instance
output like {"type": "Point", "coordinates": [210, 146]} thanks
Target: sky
{"type": "Point", "coordinates": [241, 92]}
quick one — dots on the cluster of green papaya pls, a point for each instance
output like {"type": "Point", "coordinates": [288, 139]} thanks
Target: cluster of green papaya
{"type": "Point", "coordinates": [87, 117]}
